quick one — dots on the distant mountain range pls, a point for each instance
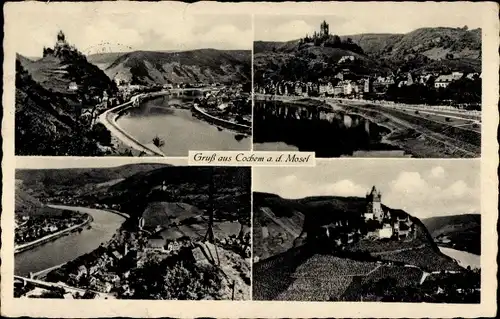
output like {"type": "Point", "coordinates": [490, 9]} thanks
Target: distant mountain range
{"type": "Point", "coordinates": [27, 205]}
{"type": "Point", "coordinates": [134, 187]}
{"type": "Point", "coordinates": [433, 49]}
{"type": "Point", "coordinates": [462, 232]}
{"type": "Point", "coordinates": [160, 67]}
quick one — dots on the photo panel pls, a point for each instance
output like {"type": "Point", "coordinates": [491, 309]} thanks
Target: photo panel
{"type": "Point", "coordinates": [94, 229]}
{"type": "Point", "coordinates": [385, 231]}
{"type": "Point", "coordinates": [349, 84]}
{"type": "Point", "coordinates": [107, 81]}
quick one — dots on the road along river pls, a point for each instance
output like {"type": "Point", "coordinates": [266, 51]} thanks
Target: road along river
{"type": "Point", "coordinates": [71, 246]}
{"type": "Point", "coordinates": [178, 128]}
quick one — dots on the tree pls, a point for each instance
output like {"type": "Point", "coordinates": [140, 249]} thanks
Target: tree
{"type": "Point", "coordinates": [101, 134]}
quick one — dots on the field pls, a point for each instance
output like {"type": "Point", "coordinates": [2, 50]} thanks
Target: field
{"type": "Point", "coordinates": [319, 278]}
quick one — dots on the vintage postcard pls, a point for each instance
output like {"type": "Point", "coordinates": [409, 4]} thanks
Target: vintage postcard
{"type": "Point", "coordinates": [250, 160]}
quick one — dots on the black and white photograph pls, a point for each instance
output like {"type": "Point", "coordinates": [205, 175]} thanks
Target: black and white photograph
{"type": "Point", "coordinates": [107, 81]}
{"type": "Point", "coordinates": [369, 84]}
{"type": "Point", "coordinates": [348, 230]}
{"type": "Point", "coordinates": [148, 231]}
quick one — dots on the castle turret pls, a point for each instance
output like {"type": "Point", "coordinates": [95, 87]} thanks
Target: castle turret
{"type": "Point", "coordinates": [374, 205]}
{"type": "Point", "coordinates": [61, 39]}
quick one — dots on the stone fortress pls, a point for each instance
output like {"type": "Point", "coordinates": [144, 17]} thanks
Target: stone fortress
{"type": "Point", "coordinates": [374, 223]}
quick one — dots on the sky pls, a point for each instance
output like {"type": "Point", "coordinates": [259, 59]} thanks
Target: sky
{"type": "Point", "coordinates": [353, 20]}
{"type": "Point", "coordinates": [115, 28]}
{"type": "Point", "coordinates": [423, 188]}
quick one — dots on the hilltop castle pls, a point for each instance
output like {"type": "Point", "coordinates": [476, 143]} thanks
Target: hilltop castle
{"type": "Point", "coordinates": [384, 225]}
{"type": "Point", "coordinates": [374, 205]}
{"type": "Point", "coordinates": [62, 48]}
{"type": "Point", "coordinates": [373, 223]}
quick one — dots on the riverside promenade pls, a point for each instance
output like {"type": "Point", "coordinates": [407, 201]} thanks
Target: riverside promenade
{"type": "Point", "coordinates": [109, 117]}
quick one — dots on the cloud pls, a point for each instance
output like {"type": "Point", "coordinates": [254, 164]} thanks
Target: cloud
{"type": "Point", "coordinates": [290, 30]}
{"type": "Point", "coordinates": [345, 188]}
{"type": "Point", "coordinates": [92, 29]}
{"type": "Point", "coordinates": [437, 172]}
{"type": "Point", "coordinates": [410, 191]}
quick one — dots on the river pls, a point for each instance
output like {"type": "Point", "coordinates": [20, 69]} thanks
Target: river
{"type": "Point", "coordinates": [463, 258]}
{"type": "Point", "coordinates": [66, 248]}
{"type": "Point", "coordinates": [280, 126]}
{"type": "Point", "coordinates": [180, 130]}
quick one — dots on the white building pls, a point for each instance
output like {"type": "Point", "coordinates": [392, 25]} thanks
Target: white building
{"type": "Point", "coordinates": [385, 231]}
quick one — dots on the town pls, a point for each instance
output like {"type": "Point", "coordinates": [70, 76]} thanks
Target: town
{"type": "Point", "coordinates": [29, 229]}
{"type": "Point", "coordinates": [351, 79]}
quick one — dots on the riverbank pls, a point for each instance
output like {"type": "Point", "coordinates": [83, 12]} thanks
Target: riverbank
{"type": "Point", "coordinates": [64, 249]}
{"type": "Point", "coordinates": [463, 258]}
{"type": "Point", "coordinates": [43, 273]}
{"type": "Point", "coordinates": [420, 131]}
{"type": "Point", "coordinates": [109, 118]}
{"type": "Point", "coordinates": [43, 240]}
{"type": "Point", "coordinates": [240, 128]}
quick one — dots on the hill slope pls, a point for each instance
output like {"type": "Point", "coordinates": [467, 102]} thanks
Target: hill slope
{"type": "Point", "coordinates": [55, 73]}
{"type": "Point", "coordinates": [46, 122]}
{"type": "Point", "coordinates": [103, 60]}
{"type": "Point", "coordinates": [133, 187]}
{"type": "Point", "coordinates": [305, 272]}
{"type": "Point", "coordinates": [433, 49]}
{"type": "Point", "coordinates": [462, 232]}
{"type": "Point", "coordinates": [204, 65]}
{"type": "Point", "coordinates": [27, 205]}
{"type": "Point", "coordinates": [306, 215]}
{"type": "Point", "coordinates": [52, 178]}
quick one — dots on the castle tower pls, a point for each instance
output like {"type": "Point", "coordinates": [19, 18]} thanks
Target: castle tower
{"type": "Point", "coordinates": [374, 205]}
{"type": "Point", "coordinates": [61, 39]}
{"type": "Point", "coordinates": [324, 29]}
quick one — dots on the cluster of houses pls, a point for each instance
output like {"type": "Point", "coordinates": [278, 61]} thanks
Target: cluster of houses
{"type": "Point", "coordinates": [338, 87]}
{"type": "Point", "coordinates": [97, 277]}
{"type": "Point", "coordinates": [36, 228]}
{"type": "Point", "coordinates": [377, 222]}
{"type": "Point", "coordinates": [224, 98]}
{"type": "Point", "coordinates": [346, 84]}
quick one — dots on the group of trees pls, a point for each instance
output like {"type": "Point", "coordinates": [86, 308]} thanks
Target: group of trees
{"type": "Point", "coordinates": [463, 287]}
{"type": "Point", "coordinates": [331, 41]}
{"type": "Point", "coordinates": [177, 277]}
{"type": "Point", "coordinates": [466, 92]}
